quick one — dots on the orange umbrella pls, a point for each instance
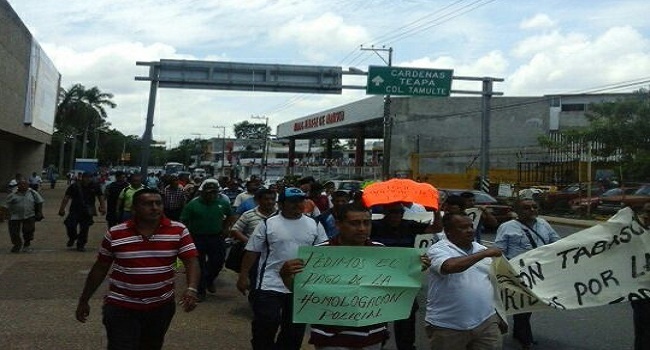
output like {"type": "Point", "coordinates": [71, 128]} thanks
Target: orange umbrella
{"type": "Point", "coordinates": [401, 190]}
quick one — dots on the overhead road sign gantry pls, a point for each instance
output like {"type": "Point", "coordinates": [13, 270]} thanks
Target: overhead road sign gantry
{"type": "Point", "coordinates": [215, 75]}
{"type": "Point", "coordinates": [404, 81]}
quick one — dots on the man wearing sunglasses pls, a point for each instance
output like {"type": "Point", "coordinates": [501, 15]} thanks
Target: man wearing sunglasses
{"type": "Point", "coordinates": [518, 236]}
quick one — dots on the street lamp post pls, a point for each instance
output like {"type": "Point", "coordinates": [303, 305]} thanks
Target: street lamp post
{"type": "Point", "coordinates": [223, 149]}
{"type": "Point", "coordinates": [264, 146]}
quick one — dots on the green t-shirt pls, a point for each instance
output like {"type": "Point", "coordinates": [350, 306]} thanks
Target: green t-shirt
{"type": "Point", "coordinates": [205, 219]}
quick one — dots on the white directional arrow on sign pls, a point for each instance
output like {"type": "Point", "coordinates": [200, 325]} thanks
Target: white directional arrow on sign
{"type": "Point", "coordinates": [377, 80]}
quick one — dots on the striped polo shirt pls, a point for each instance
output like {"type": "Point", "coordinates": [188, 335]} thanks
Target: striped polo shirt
{"type": "Point", "coordinates": [143, 276]}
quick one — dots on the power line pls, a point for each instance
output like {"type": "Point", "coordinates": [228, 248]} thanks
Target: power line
{"type": "Point", "coordinates": [614, 86]}
{"type": "Point", "coordinates": [439, 20]}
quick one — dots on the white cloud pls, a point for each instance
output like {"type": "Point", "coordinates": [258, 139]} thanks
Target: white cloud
{"type": "Point", "coordinates": [540, 20]}
{"type": "Point", "coordinates": [320, 37]}
{"type": "Point", "coordinates": [565, 64]}
{"type": "Point", "coordinates": [493, 64]}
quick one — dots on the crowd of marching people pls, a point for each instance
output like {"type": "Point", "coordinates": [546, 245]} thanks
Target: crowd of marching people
{"type": "Point", "coordinates": [208, 224]}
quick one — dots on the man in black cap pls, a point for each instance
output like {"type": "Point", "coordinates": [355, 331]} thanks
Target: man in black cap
{"type": "Point", "coordinates": [82, 195]}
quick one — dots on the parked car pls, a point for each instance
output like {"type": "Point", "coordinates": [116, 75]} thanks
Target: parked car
{"type": "Point", "coordinates": [561, 199]}
{"type": "Point", "coordinates": [344, 185]}
{"type": "Point", "coordinates": [502, 212]}
{"type": "Point", "coordinates": [581, 204]}
{"type": "Point", "coordinates": [635, 200]}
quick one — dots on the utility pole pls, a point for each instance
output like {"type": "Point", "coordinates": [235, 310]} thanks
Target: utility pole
{"type": "Point", "coordinates": [388, 121]}
{"type": "Point", "coordinates": [223, 150]}
{"type": "Point", "coordinates": [264, 146]}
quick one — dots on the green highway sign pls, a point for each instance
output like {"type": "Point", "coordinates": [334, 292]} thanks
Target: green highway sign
{"type": "Point", "coordinates": [405, 81]}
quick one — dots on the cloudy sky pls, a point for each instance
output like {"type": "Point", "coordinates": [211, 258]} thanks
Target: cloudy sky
{"type": "Point", "coordinates": [538, 47]}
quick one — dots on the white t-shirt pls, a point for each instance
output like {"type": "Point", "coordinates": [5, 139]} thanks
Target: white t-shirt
{"type": "Point", "coordinates": [459, 301]}
{"type": "Point", "coordinates": [284, 237]}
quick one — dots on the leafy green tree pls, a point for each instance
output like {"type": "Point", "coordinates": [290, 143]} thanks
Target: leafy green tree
{"type": "Point", "coordinates": [248, 130]}
{"type": "Point", "coordinates": [620, 128]}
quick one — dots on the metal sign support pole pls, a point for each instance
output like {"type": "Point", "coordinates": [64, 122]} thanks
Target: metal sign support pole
{"type": "Point", "coordinates": [147, 137]}
{"type": "Point", "coordinates": [485, 134]}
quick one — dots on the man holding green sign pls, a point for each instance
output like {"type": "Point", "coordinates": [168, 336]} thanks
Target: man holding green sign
{"type": "Point", "coordinates": [349, 292]}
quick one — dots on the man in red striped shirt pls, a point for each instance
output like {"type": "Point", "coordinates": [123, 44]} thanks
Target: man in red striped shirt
{"type": "Point", "coordinates": [142, 251]}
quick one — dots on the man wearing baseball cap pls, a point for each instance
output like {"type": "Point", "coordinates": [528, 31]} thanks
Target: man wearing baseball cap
{"type": "Point", "coordinates": [208, 218]}
{"type": "Point", "coordinates": [275, 241]}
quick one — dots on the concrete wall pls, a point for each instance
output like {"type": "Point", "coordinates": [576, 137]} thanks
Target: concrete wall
{"type": "Point", "coordinates": [447, 132]}
{"type": "Point", "coordinates": [22, 147]}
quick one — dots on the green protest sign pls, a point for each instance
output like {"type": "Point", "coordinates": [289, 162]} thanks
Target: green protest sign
{"type": "Point", "coordinates": [355, 286]}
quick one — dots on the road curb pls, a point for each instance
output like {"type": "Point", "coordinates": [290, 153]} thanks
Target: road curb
{"type": "Point", "coordinates": [571, 222]}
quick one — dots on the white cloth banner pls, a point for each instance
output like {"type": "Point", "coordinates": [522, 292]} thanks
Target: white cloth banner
{"type": "Point", "coordinates": [605, 264]}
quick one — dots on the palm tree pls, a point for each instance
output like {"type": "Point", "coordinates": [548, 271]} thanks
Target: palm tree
{"type": "Point", "coordinates": [80, 111]}
{"type": "Point", "coordinates": [95, 114]}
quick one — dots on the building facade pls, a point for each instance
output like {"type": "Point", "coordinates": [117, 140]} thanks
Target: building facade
{"type": "Point", "coordinates": [29, 85]}
{"type": "Point", "coordinates": [438, 140]}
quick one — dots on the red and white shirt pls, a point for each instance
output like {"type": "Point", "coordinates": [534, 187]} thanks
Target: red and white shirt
{"type": "Point", "coordinates": [143, 276]}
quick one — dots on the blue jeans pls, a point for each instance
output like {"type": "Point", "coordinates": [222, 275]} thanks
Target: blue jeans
{"type": "Point", "coordinates": [129, 329]}
{"type": "Point", "coordinates": [212, 255]}
{"type": "Point", "coordinates": [273, 310]}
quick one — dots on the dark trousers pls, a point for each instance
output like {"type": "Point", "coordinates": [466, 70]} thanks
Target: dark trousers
{"type": "Point", "coordinates": [521, 330]}
{"type": "Point", "coordinates": [212, 255]}
{"type": "Point", "coordinates": [128, 329]}
{"type": "Point", "coordinates": [641, 317]}
{"type": "Point", "coordinates": [77, 227]}
{"type": "Point", "coordinates": [28, 227]}
{"type": "Point", "coordinates": [273, 310]}
{"type": "Point", "coordinates": [405, 330]}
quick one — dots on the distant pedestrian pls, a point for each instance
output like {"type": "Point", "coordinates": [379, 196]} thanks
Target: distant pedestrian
{"type": "Point", "coordinates": [112, 194]}
{"type": "Point", "coordinates": [174, 199]}
{"type": "Point", "coordinates": [81, 195]}
{"type": "Point", "coordinates": [140, 304]}
{"type": "Point", "coordinates": [25, 207]}
{"type": "Point", "coordinates": [123, 207]}
{"type": "Point", "coordinates": [518, 236]}
{"type": "Point", "coordinates": [209, 217]}
{"type": "Point", "coordinates": [52, 175]}
{"type": "Point", "coordinates": [339, 199]}
{"type": "Point", "coordinates": [35, 182]}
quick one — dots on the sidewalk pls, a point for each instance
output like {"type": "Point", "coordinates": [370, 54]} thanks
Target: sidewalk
{"type": "Point", "coordinates": [39, 295]}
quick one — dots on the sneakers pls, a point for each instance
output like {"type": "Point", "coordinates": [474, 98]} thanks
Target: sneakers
{"type": "Point", "coordinates": [16, 249]}
{"type": "Point", "coordinates": [70, 242]}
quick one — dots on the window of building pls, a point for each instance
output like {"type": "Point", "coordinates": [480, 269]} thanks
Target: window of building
{"type": "Point", "coordinates": [573, 107]}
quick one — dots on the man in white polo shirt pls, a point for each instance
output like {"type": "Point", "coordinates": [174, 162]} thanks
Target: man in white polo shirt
{"type": "Point", "coordinates": [274, 241]}
{"type": "Point", "coordinates": [460, 299]}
